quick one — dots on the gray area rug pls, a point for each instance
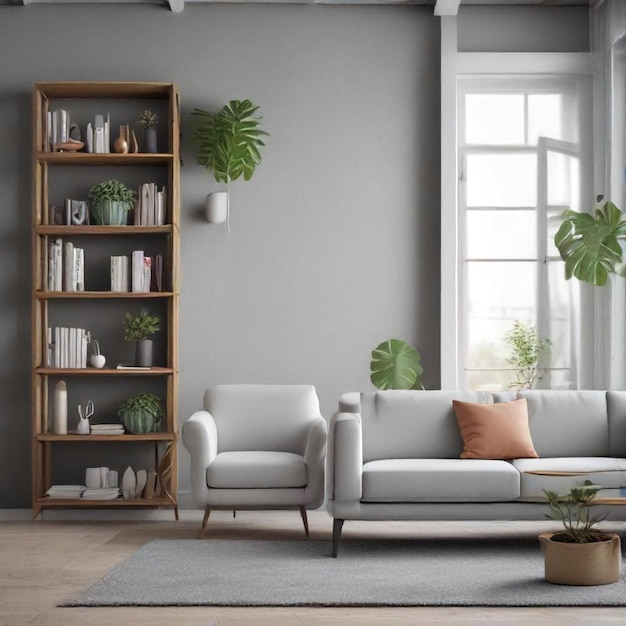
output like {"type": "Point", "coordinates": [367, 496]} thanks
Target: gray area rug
{"type": "Point", "coordinates": [446, 572]}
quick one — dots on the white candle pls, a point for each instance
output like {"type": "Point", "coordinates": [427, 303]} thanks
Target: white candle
{"type": "Point", "coordinates": [59, 417]}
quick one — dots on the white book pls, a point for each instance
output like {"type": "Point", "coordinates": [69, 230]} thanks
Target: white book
{"type": "Point", "coordinates": [115, 282]}
{"type": "Point", "coordinates": [57, 346]}
{"type": "Point", "coordinates": [58, 265]}
{"type": "Point", "coordinates": [65, 342]}
{"type": "Point", "coordinates": [79, 269]}
{"type": "Point", "coordinates": [137, 271]}
{"type": "Point", "coordinates": [51, 277]}
{"type": "Point", "coordinates": [147, 273]}
{"type": "Point", "coordinates": [89, 138]}
{"type": "Point", "coordinates": [73, 334]}
{"type": "Point", "coordinates": [107, 134]}
{"type": "Point", "coordinates": [49, 348]}
{"type": "Point", "coordinates": [69, 267]}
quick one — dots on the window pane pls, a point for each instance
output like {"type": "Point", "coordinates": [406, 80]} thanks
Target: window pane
{"type": "Point", "coordinates": [494, 119]}
{"type": "Point", "coordinates": [554, 223]}
{"type": "Point", "coordinates": [563, 180]}
{"type": "Point", "coordinates": [501, 180]}
{"type": "Point", "coordinates": [545, 117]}
{"type": "Point", "coordinates": [501, 234]}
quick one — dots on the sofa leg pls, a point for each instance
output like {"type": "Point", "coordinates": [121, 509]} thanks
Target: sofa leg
{"type": "Point", "coordinates": [305, 520]}
{"type": "Point", "coordinates": [205, 519]}
{"type": "Point", "coordinates": [337, 526]}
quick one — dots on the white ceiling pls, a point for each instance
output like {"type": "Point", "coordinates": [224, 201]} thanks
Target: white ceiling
{"type": "Point", "coordinates": [440, 7]}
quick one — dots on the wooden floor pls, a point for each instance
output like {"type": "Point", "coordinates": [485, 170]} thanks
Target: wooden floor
{"type": "Point", "coordinates": [44, 562]}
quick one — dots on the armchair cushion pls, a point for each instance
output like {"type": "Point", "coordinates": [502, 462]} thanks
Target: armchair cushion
{"type": "Point", "coordinates": [256, 470]}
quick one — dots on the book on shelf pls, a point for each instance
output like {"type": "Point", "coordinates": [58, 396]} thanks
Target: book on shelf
{"type": "Point", "coordinates": [107, 429]}
{"type": "Point", "coordinates": [105, 493]}
{"type": "Point", "coordinates": [67, 347]}
{"type": "Point", "coordinates": [156, 280]}
{"type": "Point", "coordinates": [66, 267]}
{"type": "Point", "coordinates": [55, 265]}
{"type": "Point", "coordinates": [150, 210]}
{"type": "Point", "coordinates": [119, 273]}
{"type": "Point", "coordinates": [130, 366]}
{"type": "Point", "coordinates": [141, 272]}
{"type": "Point", "coordinates": [66, 491]}
{"type": "Point", "coordinates": [57, 129]}
{"type": "Point", "coordinates": [97, 135]}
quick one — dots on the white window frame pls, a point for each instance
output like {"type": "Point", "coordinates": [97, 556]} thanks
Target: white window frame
{"type": "Point", "coordinates": [456, 67]}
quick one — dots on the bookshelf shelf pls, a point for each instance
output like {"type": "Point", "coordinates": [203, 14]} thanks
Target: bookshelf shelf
{"type": "Point", "coordinates": [103, 295]}
{"type": "Point", "coordinates": [58, 177]}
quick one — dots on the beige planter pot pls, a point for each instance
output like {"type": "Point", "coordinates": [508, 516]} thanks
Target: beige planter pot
{"type": "Point", "coordinates": [597, 563]}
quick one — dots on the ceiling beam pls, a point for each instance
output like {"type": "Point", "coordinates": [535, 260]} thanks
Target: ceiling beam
{"type": "Point", "coordinates": [447, 7]}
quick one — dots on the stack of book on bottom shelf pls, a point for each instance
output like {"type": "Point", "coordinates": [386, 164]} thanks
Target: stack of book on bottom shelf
{"type": "Point", "coordinates": [66, 491]}
{"type": "Point", "coordinates": [107, 429]}
{"type": "Point", "coordinates": [110, 493]}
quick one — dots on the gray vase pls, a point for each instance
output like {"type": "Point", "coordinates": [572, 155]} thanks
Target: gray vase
{"type": "Point", "coordinates": [143, 353]}
{"type": "Point", "coordinates": [150, 140]}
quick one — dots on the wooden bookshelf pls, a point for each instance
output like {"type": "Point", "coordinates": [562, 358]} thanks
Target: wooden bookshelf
{"type": "Point", "coordinates": [54, 180]}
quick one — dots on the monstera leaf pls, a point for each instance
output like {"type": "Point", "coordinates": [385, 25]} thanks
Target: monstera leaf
{"type": "Point", "coordinates": [590, 244]}
{"type": "Point", "coordinates": [396, 365]}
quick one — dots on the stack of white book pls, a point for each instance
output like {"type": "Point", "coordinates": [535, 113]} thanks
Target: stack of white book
{"type": "Point", "coordinates": [67, 347]}
{"type": "Point", "coordinates": [97, 137]}
{"type": "Point", "coordinates": [110, 493]}
{"type": "Point", "coordinates": [142, 272]}
{"type": "Point", "coordinates": [66, 491]}
{"type": "Point", "coordinates": [66, 267]}
{"type": "Point", "coordinates": [150, 210]}
{"type": "Point", "coordinates": [107, 429]}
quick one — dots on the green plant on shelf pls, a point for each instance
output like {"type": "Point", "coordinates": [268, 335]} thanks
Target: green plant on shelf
{"type": "Point", "coordinates": [140, 326]}
{"type": "Point", "coordinates": [148, 119]}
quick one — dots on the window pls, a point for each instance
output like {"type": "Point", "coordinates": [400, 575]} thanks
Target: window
{"type": "Point", "coordinates": [519, 169]}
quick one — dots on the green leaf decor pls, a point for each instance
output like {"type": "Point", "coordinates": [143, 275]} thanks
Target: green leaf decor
{"type": "Point", "coordinates": [396, 365]}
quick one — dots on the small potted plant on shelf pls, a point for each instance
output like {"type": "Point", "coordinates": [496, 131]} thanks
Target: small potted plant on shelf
{"type": "Point", "coordinates": [110, 201]}
{"type": "Point", "coordinates": [149, 120]}
{"type": "Point", "coordinates": [228, 146]}
{"type": "Point", "coordinates": [580, 554]}
{"type": "Point", "coordinates": [142, 414]}
{"type": "Point", "coordinates": [140, 328]}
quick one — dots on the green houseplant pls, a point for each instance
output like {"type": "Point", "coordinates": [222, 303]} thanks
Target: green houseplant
{"type": "Point", "coordinates": [579, 554]}
{"type": "Point", "coordinates": [110, 201]}
{"type": "Point", "coordinates": [591, 245]}
{"type": "Point", "coordinates": [140, 328]}
{"type": "Point", "coordinates": [141, 413]}
{"type": "Point", "coordinates": [229, 143]}
{"type": "Point", "coordinates": [526, 350]}
{"type": "Point", "coordinates": [148, 120]}
{"type": "Point", "coordinates": [396, 365]}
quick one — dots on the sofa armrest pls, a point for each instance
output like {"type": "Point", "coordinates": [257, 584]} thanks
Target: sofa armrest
{"type": "Point", "coordinates": [200, 439]}
{"type": "Point", "coordinates": [314, 458]}
{"type": "Point", "coordinates": [345, 457]}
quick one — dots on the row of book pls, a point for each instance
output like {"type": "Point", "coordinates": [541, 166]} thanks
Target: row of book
{"type": "Point", "coordinates": [80, 491]}
{"type": "Point", "coordinates": [66, 266]}
{"type": "Point", "coordinates": [151, 203]}
{"type": "Point", "coordinates": [67, 347]}
{"type": "Point", "coordinates": [143, 274]}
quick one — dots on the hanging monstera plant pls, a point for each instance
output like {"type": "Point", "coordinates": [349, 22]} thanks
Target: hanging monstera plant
{"type": "Point", "coordinates": [396, 365]}
{"type": "Point", "coordinates": [590, 244]}
{"type": "Point", "coordinates": [229, 143]}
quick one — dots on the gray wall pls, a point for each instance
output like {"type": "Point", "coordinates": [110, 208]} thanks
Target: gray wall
{"type": "Point", "coordinates": [335, 241]}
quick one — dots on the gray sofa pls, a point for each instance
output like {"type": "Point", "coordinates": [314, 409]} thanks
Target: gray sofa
{"type": "Point", "coordinates": [394, 455]}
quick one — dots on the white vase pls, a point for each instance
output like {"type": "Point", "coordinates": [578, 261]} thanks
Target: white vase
{"type": "Point", "coordinates": [217, 207]}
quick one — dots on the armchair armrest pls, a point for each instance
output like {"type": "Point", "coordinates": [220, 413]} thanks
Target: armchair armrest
{"type": "Point", "coordinates": [314, 458]}
{"type": "Point", "coordinates": [200, 439]}
{"type": "Point", "coordinates": [345, 457]}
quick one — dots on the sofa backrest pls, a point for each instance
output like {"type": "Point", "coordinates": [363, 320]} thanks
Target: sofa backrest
{"type": "Point", "coordinates": [262, 417]}
{"type": "Point", "coordinates": [400, 424]}
{"type": "Point", "coordinates": [568, 423]}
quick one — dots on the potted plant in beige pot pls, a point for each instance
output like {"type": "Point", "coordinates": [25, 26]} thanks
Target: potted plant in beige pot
{"type": "Point", "coordinates": [140, 328]}
{"type": "Point", "coordinates": [580, 554]}
{"type": "Point", "coordinates": [229, 143]}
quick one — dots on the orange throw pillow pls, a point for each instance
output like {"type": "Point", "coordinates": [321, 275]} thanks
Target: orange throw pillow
{"type": "Point", "coordinates": [495, 431]}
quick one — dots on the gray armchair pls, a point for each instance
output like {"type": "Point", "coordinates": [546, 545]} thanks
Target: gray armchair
{"type": "Point", "coordinates": [257, 447]}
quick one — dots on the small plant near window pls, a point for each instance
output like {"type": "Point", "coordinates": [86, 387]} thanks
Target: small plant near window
{"type": "Point", "coordinates": [148, 119]}
{"type": "Point", "coordinates": [526, 350]}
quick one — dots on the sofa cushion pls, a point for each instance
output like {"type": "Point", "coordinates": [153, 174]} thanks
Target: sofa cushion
{"type": "Point", "coordinates": [439, 480]}
{"type": "Point", "coordinates": [494, 431]}
{"type": "Point", "coordinates": [568, 423]}
{"type": "Point", "coordinates": [411, 424]}
{"type": "Point", "coordinates": [256, 470]}
{"type": "Point", "coordinates": [561, 474]}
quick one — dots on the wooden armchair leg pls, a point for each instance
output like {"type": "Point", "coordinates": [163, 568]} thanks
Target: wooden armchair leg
{"type": "Point", "coordinates": [305, 520]}
{"type": "Point", "coordinates": [337, 526]}
{"type": "Point", "coordinates": [205, 519]}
